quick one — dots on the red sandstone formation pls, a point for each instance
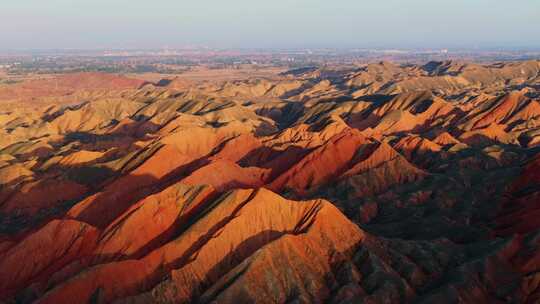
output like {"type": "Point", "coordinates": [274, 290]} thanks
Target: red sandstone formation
{"type": "Point", "coordinates": [378, 184]}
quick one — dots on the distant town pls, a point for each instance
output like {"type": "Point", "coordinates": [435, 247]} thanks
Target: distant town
{"type": "Point", "coordinates": [182, 60]}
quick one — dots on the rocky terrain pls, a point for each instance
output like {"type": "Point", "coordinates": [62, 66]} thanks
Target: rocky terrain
{"type": "Point", "coordinates": [380, 184]}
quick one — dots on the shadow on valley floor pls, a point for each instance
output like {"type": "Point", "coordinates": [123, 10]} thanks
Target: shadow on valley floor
{"type": "Point", "coordinates": [276, 160]}
{"type": "Point", "coordinates": [35, 202]}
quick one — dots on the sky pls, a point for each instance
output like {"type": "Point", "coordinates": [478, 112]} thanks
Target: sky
{"type": "Point", "coordinates": [89, 24]}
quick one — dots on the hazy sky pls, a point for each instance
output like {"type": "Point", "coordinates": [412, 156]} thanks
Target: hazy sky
{"type": "Point", "coordinates": [274, 23]}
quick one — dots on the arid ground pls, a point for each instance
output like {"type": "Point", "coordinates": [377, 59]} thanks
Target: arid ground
{"type": "Point", "coordinates": [380, 183]}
